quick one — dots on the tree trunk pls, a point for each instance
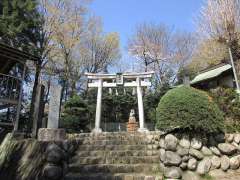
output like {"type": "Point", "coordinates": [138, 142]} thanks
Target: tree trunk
{"type": "Point", "coordinates": [36, 82]}
{"type": "Point", "coordinates": [73, 89]}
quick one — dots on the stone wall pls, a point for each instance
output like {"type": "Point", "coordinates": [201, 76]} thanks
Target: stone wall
{"type": "Point", "coordinates": [179, 153]}
{"type": "Point", "coordinates": [57, 155]}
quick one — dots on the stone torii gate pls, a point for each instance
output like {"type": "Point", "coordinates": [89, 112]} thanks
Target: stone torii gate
{"type": "Point", "coordinates": [135, 80]}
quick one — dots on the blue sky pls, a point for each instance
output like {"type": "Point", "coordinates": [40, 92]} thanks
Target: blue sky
{"type": "Point", "coordinates": [123, 15]}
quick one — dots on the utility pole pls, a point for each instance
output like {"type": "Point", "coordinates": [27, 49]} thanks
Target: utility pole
{"type": "Point", "coordinates": [234, 70]}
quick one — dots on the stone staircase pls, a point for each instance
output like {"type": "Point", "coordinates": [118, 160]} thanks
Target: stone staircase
{"type": "Point", "coordinates": [120, 156]}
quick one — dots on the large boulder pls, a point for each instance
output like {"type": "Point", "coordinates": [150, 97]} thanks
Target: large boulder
{"type": "Point", "coordinates": [225, 163]}
{"type": "Point", "coordinates": [216, 162]}
{"type": "Point", "coordinates": [204, 166]}
{"type": "Point", "coordinates": [172, 172]}
{"type": "Point", "coordinates": [227, 149]}
{"type": "Point", "coordinates": [172, 159]}
{"type": "Point", "coordinates": [192, 164]}
{"type": "Point", "coordinates": [196, 143]}
{"type": "Point", "coordinates": [234, 162]}
{"type": "Point", "coordinates": [195, 153]}
{"type": "Point", "coordinates": [171, 142]}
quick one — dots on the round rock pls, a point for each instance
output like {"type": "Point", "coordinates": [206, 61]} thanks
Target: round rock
{"type": "Point", "coordinates": [206, 151]}
{"type": "Point", "coordinates": [225, 163]}
{"type": "Point", "coordinates": [162, 154]}
{"type": "Point", "coordinates": [182, 151]}
{"type": "Point", "coordinates": [171, 142]}
{"type": "Point", "coordinates": [52, 172]}
{"type": "Point", "coordinates": [192, 164]}
{"type": "Point", "coordinates": [183, 165]}
{"type": "Point", "coordinates": [204, 166]}
{"type": "Point", "coordinates": [54, 154]}
{"type": "Point", "coordinates": [172, 172]}
{"type": "Point", "coordinates": [229, 138]}
{"type": "Point", "coordinates": [185, 142]}
{"type": "Point", "coordinates": [237, 138]}
{"type": "Point", "coordinates": [185, 158]}
{"type": "Point", "coordinates": [162, 143]}
{"type": "Point", "coordinates": [227, 149]}
{"type": "Point", "coordinates": [234, 162]}
{"type": "Point", "coordinates": [215, 151]}
{"type": "Point", "coordinates": [216, 162]}
{"type": "Point", "coordinates": [196, 143]}
{"type": "Point", "coordinates": [195, 153]}
{"type": "Point", "coordinates": [172, 159]}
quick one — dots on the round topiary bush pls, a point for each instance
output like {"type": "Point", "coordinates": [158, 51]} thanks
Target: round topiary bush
{"type": "Point", "coordinates": [189, 109]}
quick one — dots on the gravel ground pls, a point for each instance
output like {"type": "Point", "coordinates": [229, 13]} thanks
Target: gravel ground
{"type": "Point", "coordinates": [214, 175]}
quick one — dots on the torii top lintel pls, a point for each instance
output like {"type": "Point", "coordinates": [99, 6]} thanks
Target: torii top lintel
{"type": "Point", "coordinates": [125, 75]}
{"type": "Point", "coordinates": [135, 77]}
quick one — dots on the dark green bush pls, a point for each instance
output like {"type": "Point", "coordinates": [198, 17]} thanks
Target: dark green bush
{"type": "Point", "coordinates": [75, 116]}
{"type": "Point", "coordinates": [189, 109]}
{"type": "Point", "coordinates": [228, 101]}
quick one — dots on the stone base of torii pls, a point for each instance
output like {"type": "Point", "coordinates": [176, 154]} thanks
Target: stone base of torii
{"type": "Point", "coordinates": [135, 80]}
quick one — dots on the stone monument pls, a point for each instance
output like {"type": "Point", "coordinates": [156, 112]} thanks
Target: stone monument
{"type": "Point", "coordinates": [132, 124]}
{"type": "Point", "coordinates": [52, 132]}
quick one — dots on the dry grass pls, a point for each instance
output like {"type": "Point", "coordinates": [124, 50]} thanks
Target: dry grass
{"type": "Point", "coordinates": [21, 159]}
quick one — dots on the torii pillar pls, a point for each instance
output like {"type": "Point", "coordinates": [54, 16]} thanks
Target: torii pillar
{"type": "Point", "coordinates": [97, 128]}
{"type": "Point", "coordinates": [140, 106]}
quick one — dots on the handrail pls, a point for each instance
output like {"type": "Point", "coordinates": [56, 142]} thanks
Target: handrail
{"type": "Point", "coordinates": [10, 89]}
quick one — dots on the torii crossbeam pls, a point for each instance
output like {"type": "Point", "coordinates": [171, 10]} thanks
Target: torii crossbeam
{"type": "Point", "coordinates": [137, 80]}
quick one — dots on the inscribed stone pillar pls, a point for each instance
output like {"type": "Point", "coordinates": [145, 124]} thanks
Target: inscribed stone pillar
{"type": "Point", "coordinates": [54, 106]}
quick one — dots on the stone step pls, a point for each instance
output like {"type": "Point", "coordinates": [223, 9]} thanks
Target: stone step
{"type": "Point", "coordinates": [115, 160]}
{"type": "Point", "coordinates": [118, 153]}
{"type": "Point", "coordinates": [115, 168]}
{"type": "Point", "coordinates": [116, 147]}
{"type": "Point", "coordinates": [122, 136]}
{"type": "Point", "coordinates": [100, 176]}
{"type": "Point", "coordinates": [111, 142]}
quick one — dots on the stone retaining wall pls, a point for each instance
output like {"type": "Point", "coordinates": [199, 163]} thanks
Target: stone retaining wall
{"type": "Point", "coordinates": [177, 153]}
{"type": "Point", "coordinates": [180, 153]}
{"type": "Point", "coordinates": [56, 156]}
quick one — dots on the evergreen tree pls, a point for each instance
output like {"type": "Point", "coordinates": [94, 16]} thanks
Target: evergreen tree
{"type": "Point", "coordinates": [19, 22]}
{"type": "Point", "coordinates": [75, 116]}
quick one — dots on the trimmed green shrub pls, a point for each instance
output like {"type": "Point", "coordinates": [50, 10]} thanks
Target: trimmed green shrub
{"type": "Point", "coordinates": [75, 116]}
{"type": "Point", "coordinates": [228, 100]}
{"type": "Point", "coordinates": [189, 109]}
